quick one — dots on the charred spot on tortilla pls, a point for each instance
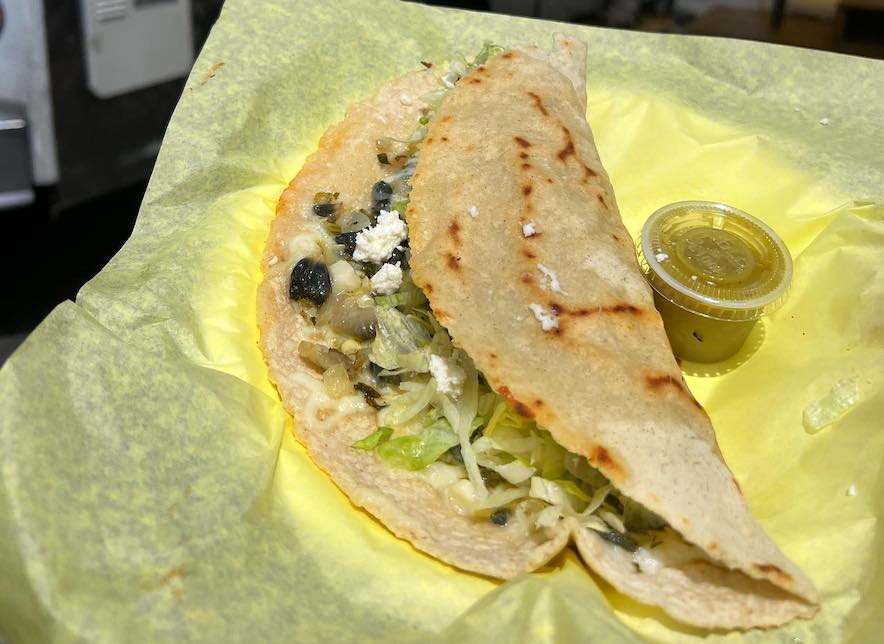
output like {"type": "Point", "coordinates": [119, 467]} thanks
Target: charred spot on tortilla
{"type": "Point", "coordinates": [523, 155]}
{"type": "Point", "coordinates": [474, 80]}
{"type": "Point", "coordinates": [528, 253]}
{"type": "Point", "coordinates": [526, 166]}
{"type": "Point", "coordinates": [454, 231]}
{"type": "Point", "coordinates": [521, 408]}
{"type": "Point", "coordinates": [526, 278]}
{"type": "Point", "coordinates": [522, 142]}
{"type": "Point", "coordinates": [452, 261]}
{"type": "Point", "coordinates": [600, 457]}
{"type": "Point", "coordinates": [538, 102]}
{"type": "Point", "coordinates": [568, 150]}
{"type": "Point", "coordinates": [526, 190]}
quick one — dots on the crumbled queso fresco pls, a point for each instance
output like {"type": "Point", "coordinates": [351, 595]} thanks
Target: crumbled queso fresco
{"type": "Point", "coordinates": [377, 243]}
{"type": "Point", "coordinates": [550, 280]}
{"type": "Point", "coordinates": [529, 229]}
{"type": "Point", "coordinates": [448, 375]}
{"type": "Point", "coordinates": [474, 212]}
{"type": "Point", "coordinates": [548, 319]}
{"type": "Point", "coordinates": [387, 280]}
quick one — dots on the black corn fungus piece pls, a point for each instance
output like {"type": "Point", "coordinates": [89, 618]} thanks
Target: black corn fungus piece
{"type": "Point", "coordinates": [348, 241]}
{"type": "Point", "coordinates": [310, 281]}
{"type": "Point", "coordinates": [500, 517]}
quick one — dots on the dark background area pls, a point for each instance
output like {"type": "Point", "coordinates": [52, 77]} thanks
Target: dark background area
{"type": "Point", "coordinates": [107, 147]}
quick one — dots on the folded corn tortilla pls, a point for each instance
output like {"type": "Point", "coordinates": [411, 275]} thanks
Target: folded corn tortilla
{"type": "Point", "coordinates": [517, 243]}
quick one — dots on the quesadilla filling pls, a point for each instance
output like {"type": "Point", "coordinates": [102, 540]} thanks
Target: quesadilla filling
{"type": "Point", "coordinates": [376, 335]}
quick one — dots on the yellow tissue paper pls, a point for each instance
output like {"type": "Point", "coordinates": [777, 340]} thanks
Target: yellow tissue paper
{"type": "Point", "coordinates": [150, 486]}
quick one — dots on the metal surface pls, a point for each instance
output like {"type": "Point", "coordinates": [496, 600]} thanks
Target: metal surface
{"type": "Point", "coordinates": [24, 80]}
{"type": "Point", "coordinates": [132, 44]}
{"type": "Point", "coordinates": [15, 158]}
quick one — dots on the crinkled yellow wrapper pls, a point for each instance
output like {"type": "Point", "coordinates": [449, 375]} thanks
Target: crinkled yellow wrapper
{"type": "Point", "coordinates": [150, 488]}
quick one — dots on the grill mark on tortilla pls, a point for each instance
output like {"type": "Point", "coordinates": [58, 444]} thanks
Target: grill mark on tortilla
{"type": "Point", "coordinates": [526, 278]}
{"type": "Point", "coordinates": [538, 103]}
{"type": "Point", "coordinates": [454, 231]}
{"type": "Point", "coordinates": [522, 142]}
{"type": "Point", "coordinates": [527, 253]}
{"type": "Point", "coordinates": [523, 155]}
{"type": "Point", "coordinates": [507, 55]}
{"type": "Point", "coordinates": [521, 408]}
{"type": "Point", "coordinates": [444, 139]}
{"type": "Point", "coordinates": [601, 458]}
{"type": "Point", "coordinates": [568, 150]}
{"type": "Point", "coordinates": [474, 80]}
{"type": "Point", "coordinates": [656, 383]}
{"type": "Point", "coordinates": [549, 180]}
{"type": "Point", "coordinates": [588, 173]}
{"type": "Point", "coordinates": [627, 309]}
{"type": "Point", "coordinates": [452, 261]}
{"type": "Point", "coordinates": [601, 199]}
{"type": "Point", "coordinates": [526, 190]}
{"type": "Point", "coordinates": [526, 166]}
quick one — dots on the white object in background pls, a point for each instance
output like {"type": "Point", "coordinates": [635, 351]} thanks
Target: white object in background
{"type": "Point", "coordinates": [130, 44]}
{"type": "Point", "coordinates": [24, 81]}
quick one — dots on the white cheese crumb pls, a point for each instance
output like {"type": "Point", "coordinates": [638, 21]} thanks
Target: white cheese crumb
{"type": "Point", "coordinates": [550, 280]}
{"type": "Point", "coordinates": [851, 491]}
{"type": "Point", "coordinates": [474, 212]}
{"type": "Point", "coordinates": [661, 257]}
{"type": "Point", "coordinates": [273, 260]}
{"type": "Point", "coordinates": [646, 562]}
{"type": "Point", "coordinates": [377, 243]}
{"type": "Point", "coordinates": [549, 320]}
{"type": "Point", "coordinates": [529, 229]}
{"type": "Point", "coordinates": [825, 411]}
{"type": "Point", "coordinates": [824, 120]}
{"type": "Point", "coordinates": [405, 99]}
{"type": "Point", "coordinates": [387, 280]}
{"type": "Point", "coordinates": [448, 375]}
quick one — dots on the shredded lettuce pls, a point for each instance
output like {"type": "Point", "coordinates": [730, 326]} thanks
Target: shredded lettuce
{"type": "Point", "coordinates": [400, 341]}
{"type": "Point", "coordinates": [489, 50]}
{"type": "Point", "coordinates": [380, 435]}
{"type": "Point", "coordinates": [416, 451]}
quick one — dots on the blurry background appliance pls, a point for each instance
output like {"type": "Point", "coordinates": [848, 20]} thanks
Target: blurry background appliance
{"type": "Point", "coordinates": [87, 88]}
{"type": "Point", "coordinates": [95, 82]}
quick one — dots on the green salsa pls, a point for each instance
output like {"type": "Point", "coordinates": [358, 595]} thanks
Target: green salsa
{"type": "Point", "coordinates": [715, 271]}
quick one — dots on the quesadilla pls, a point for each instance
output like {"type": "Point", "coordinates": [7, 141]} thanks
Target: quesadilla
{"type": "Point", "coordinates": [453, 314]}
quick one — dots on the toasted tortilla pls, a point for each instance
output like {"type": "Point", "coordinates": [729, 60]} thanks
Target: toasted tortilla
{"type": "Point", "coordinates": [606, 385]}
{"type": "Point", "coordinates": [604, 382]}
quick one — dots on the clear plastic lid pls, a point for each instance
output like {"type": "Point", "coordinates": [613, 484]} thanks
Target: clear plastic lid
{"type": "Point", "coordinates": [715, 260]}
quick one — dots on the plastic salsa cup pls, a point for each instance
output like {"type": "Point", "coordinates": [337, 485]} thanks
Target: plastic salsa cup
{"type": "Point", "coordinates": [715, 271]}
